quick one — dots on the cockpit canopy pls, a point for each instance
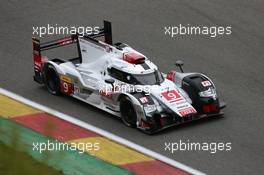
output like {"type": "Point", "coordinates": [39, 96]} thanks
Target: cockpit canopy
{"type": "Point", "coordinates": [137, 79]}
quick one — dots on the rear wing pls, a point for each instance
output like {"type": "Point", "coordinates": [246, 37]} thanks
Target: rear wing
{"type": "Point", "coordinates": [38, 47]}
{"type": "Point", "coordinates": [105, 32]}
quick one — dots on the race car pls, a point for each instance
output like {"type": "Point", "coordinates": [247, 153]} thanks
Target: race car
{"type": "Point", "coordinates": [122, 81]}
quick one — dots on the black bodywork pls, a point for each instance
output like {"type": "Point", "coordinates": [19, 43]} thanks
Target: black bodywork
{"type": "Point", "coordinates": [192, 85]}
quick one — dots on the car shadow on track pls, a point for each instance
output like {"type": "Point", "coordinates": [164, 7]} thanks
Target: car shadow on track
{"type": "Point", "coordinates": [195, 123]}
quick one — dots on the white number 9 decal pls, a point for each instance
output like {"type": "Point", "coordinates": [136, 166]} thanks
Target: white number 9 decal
{"type": "Point", "coordinates": [172, 96]}
{"type": "Point", "coordinates": [65, 87]}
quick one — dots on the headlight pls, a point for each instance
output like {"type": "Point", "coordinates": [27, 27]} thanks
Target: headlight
{"type": "Point", "coordinates": [208, 93]}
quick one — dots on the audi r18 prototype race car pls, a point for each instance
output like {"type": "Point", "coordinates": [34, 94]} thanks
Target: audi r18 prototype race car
{"type": "Point", "coordinates": [121, 81]}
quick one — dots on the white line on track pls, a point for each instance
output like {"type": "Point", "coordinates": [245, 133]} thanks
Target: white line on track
{"type": "Point", "coordinates": [101, 132]}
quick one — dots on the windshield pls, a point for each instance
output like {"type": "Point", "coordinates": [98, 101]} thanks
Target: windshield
{"type": "Point", "coordinates": [137, 79]}
{"type": "Point", "coordinates": [147, 79]}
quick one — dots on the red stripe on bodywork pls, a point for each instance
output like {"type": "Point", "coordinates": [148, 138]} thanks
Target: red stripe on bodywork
{"type": "Point", "coordinates": [64, 41]}
{"type": "Point", "coordinates": [154, 167]}
{"type": "Point", "coordinates": [54, 127]}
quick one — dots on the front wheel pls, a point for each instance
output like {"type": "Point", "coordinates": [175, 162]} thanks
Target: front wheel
{"type": "Point", "coordinates": [128, 113]}
{"type": "Point", "coordinates": [51, 79]}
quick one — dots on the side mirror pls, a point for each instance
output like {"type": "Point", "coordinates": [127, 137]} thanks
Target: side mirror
{"type": "Point", "coordinates": [110, 81]}
{"type": "Point", "coordinates": [179, 63]}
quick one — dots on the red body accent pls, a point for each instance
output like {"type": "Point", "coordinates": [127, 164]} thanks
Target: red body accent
{"type": "Point", "coordinates": [171, 75]}
{"type": "Point", "coordinates": [66, 88]}
{"type": "Point", "coordinates": [172, 96]}
{"type": "Point", "coordinates": [210, 108]}
{"type": "Point", "coordinates": [39, 62]}
{"type": "Point", "coordinates": [144, 124]}
{"type": "Point", "coordinates": [37, 58]}
{"type": "Point", "coordinates": [65, 41]}
{"type": "Point", "coordinates": [133, 58]}
{"type": "Point", "coordinates": [106, 94]}
{"type": "Point", "coordinates": [187, 111]}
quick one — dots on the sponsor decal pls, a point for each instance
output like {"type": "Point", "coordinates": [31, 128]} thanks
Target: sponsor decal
{"type": "Point", "coordinates": [182, 106]}
{"type": "Point", "coordinates": [150, 108]}
{"type": "Point", "coordinates": [65, 78]}
{"type": "Point", "coordinates": [66, 85]}
{"type": "Point", "coordinates": [206, 83]}
{"type": "Point", "coordinates": [64, 41]}
{"type": "Point", "coordinates": [172, 96]}
{"type": "Point", "coordinates": [143, 100]}
{"type": "Point", "coordinates": [187, 111]}
{"type": "Point", "coordinates": [67, 88]}
{"type": "Point", "coordinates": [106, 93]}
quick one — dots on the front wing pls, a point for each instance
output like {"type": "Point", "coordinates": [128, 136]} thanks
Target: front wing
{"type": "Point", "coordinates": [163, 121]}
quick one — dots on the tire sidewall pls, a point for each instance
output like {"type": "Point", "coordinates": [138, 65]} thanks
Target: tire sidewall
{"type": "Point", "coordinates": [126, 103]}
{"type": "Point", "coordinates": [47, 69]}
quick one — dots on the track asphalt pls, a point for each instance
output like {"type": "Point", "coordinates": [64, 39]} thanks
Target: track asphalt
{"type": "Point", "coordinates": [235, 63]}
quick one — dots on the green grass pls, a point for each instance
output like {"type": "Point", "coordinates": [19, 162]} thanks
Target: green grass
{"type": "Point", "coordinates": [15, 138]}
{"type": "Point", "coordinates": [13, 162]}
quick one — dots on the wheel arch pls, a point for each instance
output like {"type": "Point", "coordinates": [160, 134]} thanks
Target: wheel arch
{"type": "Point", "coordinates": [59, 70]}
{"type": "Point", "coordinates": [130, 96]}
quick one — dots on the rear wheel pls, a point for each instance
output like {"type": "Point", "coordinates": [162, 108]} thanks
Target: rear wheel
{"type": "Point", "coordinates": [51, 79]}
{"type": "Point", "coordinates": [128, 113]}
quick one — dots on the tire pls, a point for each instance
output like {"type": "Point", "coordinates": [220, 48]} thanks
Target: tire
{"type": "Point", "coordinates": [51, 79]}
{"type": "Point", "coordinates": [128, 113]}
